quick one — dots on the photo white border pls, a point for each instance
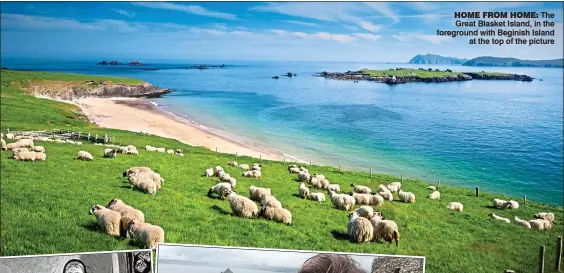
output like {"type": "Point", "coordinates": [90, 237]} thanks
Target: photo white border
{"type": "Point", "coordinates": [283, 250]}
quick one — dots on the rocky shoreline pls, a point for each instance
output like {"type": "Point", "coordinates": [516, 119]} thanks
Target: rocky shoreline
{"type": "Point", "coordinates": [361, 76]}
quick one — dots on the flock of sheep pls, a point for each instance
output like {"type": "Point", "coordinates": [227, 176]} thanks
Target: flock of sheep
{"type": "Point", "coordinates": [23, 149]}
{"type": "Point", "coordinates": [541, 221]}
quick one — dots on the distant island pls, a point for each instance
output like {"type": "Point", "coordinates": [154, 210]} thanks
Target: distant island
{"type": "Point", "coordinates": [513, 62]}
{"type": "Point", "coordinates": [435, 59]}
{"type": "Point", "coordinates": [404, 75]}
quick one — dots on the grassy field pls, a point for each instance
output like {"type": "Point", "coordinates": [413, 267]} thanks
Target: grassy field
{"type": "Point", "coordinates": [418, 73]}
{"type": "Point", "coordinates": [45, 204]}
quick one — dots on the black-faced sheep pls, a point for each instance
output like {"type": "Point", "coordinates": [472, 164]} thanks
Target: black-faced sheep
{"type": "Point", "coordinates": [232, 163]}
{"type": "Point", "coordinates": [221, 189]}
{"type": "Point", "coordinates": [110, 153]}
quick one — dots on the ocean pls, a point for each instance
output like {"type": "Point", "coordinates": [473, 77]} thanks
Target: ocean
{"type": "Point", "coordinates": [504, 136]}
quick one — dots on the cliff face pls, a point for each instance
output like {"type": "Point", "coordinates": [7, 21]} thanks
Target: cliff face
{"type": "Point", "coordinates": [73, 90]}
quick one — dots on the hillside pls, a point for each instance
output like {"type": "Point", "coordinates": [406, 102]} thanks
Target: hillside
{"type": "Point", "coordinates": [435, 59]}
{"type": "Point", "coordinates": [513, 62]}
{"type": "Point", "coordinates": [45, 204]}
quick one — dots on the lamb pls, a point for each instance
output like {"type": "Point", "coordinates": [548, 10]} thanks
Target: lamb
{"type": "Point", "coordinates": [258, 194]}
{"type": "Point", "coordinates": [303, 191]}
{"type": "Point", "coordinates": [222, 189]}
{"type": "Point", "coordinates": [150, 148]}
{"type": "Point", "coordinates": [500, 204]}
{"type": "Point", "coordinates": [83, 155]}
{"type": "Point", "coordinates": [271, 201]}
{"type": "Point", "coordinates": [540, 224]}
{"type": "Point", "coordinates": [170, 151]}
{"type": "Point", "coordinates": [209, 172]}
{"type": "Point", "coordinates": [406, 197]}
{"type": "Point", "coordinates": [365, 211]}
{"type": "Point", "coordinates": [146, 234]}
{"type": "Point", "coordinates": [382, 188]}
{"type": "Point", "coordinates": [436, 195]}
{"type": "Point", "coordinates": [244, 167]}
{"type": "Point", "coordinates": [242, 206]}
{"type": "Point", "coordinates": [394, 186]}
{"type": "Point", "coordinates": [546, 215]}
{"type": "Point", "coordinates": [38, 149]}
{"type": "Point", "coordinates": [3, 145]}
{"type": "Point", "coordinates": [455, 206]}
{"type": "Point", "coordinates": [387, 195]}
{"type": "Point", "coordinates": [432, 188]}
{"type": "Point", "coordinates": [317, 196]}
{"type": "Point", "coordinates": [304, 176]}
{"type": "Point", "coordinates": [110, 153]}
{"type": "Point", "coordinates": [278, 214]}
{"type": "Point", "coordinates": [384, 229]}
{"type": "Point", "coordinates": [361, 198]}
{"type": "Point", "coordinates": [359, 229]}
{"type": "Point", "coordinates": [128, 214]}
{"type": "Point", "coordinates": [232, 163]}
{"type": "Point", "coordinates": [361, 189]}
{"type": "Point", "coordinates": [108, 219]}
{"type": "Point", "coordinates": [522, 222]}
{"type": "Point", "coordinates": [161, 150]}
{"type": "Point", "coordinates": [499, 218]}
{"type": "Point", "coordinates": [342, 201]}
{"type": "Point", "coordinates": [334, 187]}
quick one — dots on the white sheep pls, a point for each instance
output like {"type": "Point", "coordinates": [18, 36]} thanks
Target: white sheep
{"type": "Point", "coordinates": [382, 188]}
{"type": "Point", "coordinates": [209, 172]}
{"type": "Point", "coordinates": [242, 206]}
{"type": "Point", "coordinates": [303, 176]}
{"type": "Point", "coordinates": [388, 195]}
{"type": "Point", "coordinates": [432, 188]}
{"type": "Point", "coordinates": [256, 167]}
{"type": "Point", "coordinates": [83, 155]}
{"type": "Point", "coordinates": [161, 150]}
{"type": "Point", "coordinates": [136, 178]}
{"type": "Point", "coordinates": [28, 156]}
{"type": "Point", "coordinates": [303, 191]}
{"type": "Point", "coordinates": [384, 229]}
{"type": "Point", "coordinates": [38, 149]}
{"type": "Point", "coordinates": [16, 151]}
{"type": "Point", "coordinates": [217, 170]}
{"type": "Point", "coordinates": [376, 200]}
{"type": "Point", "coordinates": [361, 189]}
{"type": "Point", "coordinates": [128, 214]}
{"type": "Point", "coordinates": [361, 198]}
{"type": "Point", "coordinates": [132, 152]}
{"type": "Point", "coordinates": [436, 195]}
{"type": "Point", "coordinates": [271, 201]}
{"type": "Point", "coordinates": [406, 197]}
{"type": "Point", "coordinates": [110, 153]}
{"type": "Point", "coordinates": [221, 189]}
{"type": "Point", "coordinates": [499, 218]}
{"type": "Point", "coordinates": [303, 169]}
{"type": "Point", "coordinates": [455, 206]}
{"type": "Point", "coordinates": [232, 163]}
{"type": "Point", "coordinates": [394, 186]}
{"type": "Point", "coordinates": [147, 186]}
{"type": "Point", "coordinates": [545, 215]}
{"type": "Point", "coordinates": [224, 177]}
{"type": "Point", "coordinates": [359, 229]}
{"type": "Point", "coordinates": [342, 201]}
{"type": "Point", "coordinates": [522, 222]}
{"type": "Point", "coordinates": [135, 170]}
{"type": "Point", "coordinates": [501, 204]}
{"type": "Point", "coordinates": [365, 211]}
{"type": "Point", "coordinates": [258, 194]}
{"type": "Point", "coordinates": [150, 148]}
{"type": "Point", "coordinates": [10, 136]}
{"type": "Point", "coordinates": [294, 170]}
{"type": "Point", "coordinates": [317, 196]}
{"type": "Point", "coordinates": [244, 167]}
{"type": "Point", "coordinates": [108, 219]}
{"type": "Point", "coordinates": [170, 151]}
{"type": "Point", "coordinates": [540, 224]}
{"type": "Point", "coordinates": [319, 183]}
{"type": "Point", "coordinates": [278, 214]}
{"type": "Point", "coordinates": [3, 145]}
{"type": "Point", "coordinates": [145, 234]}
{"type": "Point", "coordinates": [334, 187]}
{"type": "Point", "coordinates": [513, 204]}
{"type": "Point", "coordinates": [253, 173]}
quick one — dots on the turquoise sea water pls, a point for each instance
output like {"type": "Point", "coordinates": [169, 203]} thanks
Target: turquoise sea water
{"type": "Point", "coordinates": [503, 136]}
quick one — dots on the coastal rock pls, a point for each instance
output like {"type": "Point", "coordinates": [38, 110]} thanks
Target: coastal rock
{"type": "Point", "coordinates": [135, 63]}
{"type": "Point", "coordinates": [514, 77]}
{"type": "Point", "coordinates": [275, 77]}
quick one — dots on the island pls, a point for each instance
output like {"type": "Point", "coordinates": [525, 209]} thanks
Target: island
{"type": "Point", "coordinates": [108, 63]}
{"type": "Point", "coordinates": [435, 59]}
{"type": "Point", "coordinates": [135, 63]}
{"type": "Point", "coordinates": [513, 62]}
{"type": "Point", "coordinates": [404, 75]}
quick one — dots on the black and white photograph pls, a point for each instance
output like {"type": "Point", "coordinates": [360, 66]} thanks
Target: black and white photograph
{"type": "Point", "coordinates": [174, 258]}
{"type": "Point", "coordinates": [95, 262]}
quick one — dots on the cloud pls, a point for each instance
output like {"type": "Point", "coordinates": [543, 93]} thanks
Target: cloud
{"type": "Point", "coordinates": [384, 9]}
{"type": "Point", "coordinates": [407, 36]}
{"type": "Point", "coordinates": [124, 12]}
{"type": "Point", "coordinates": [192, 9]}
{"type": "Point", "coordinates": [367, 36]}
{"type": "Point", "coordinates": [21, 21]}
{"type": "Point", "coordinates": [302, 23]}
{"type": "Point", "coordinates": [369, 26]}
{"type": "Point", "coordinates": [341, 38]}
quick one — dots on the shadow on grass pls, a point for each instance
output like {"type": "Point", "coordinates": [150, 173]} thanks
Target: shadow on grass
{"type": "Point", "coordinates": [297, 195]}
{"type": "Point", "coordinates": [341, 236]}
{"type": "Point", "coordinates": [220, 210]}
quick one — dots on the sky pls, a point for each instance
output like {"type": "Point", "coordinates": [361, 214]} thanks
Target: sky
{"type": "Point", "coordinates": [180, 259]}
{"type": "Point", "coordinates": [289, 31]}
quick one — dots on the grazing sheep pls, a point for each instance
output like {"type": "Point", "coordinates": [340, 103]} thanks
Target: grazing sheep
{"type": "Point", "coordinates": [170, 151]}
{"type": "Point", "coordinates": [540, 224]}
{"type": "Point", "coordinates": [334, 187]}
{"type": "Point", "coordinates": [304, 176]}
{"type": "Point", "coordinates": [500, 204]}
{"type": "Point", "coordinates": [545, 215]}
{"type": "Point", "coordinates": [222, 189]}
{"type": "Point", "coordinates": [23, 143]}
{"type": "Point", "coordinates": [455, 206]}
{"type": "Point", "coordinates": [128, 214]}
{"type": "Point", "coordinates": [135, 170]}
{"type": "Point", "coordinates": [38, 149]}
{"type": "Point", "coordinates": [318, 176]}
{"type": "Point", "coordinates": [26, 156]}
{"type": "Point", "coordinates": [108, 219]}
{"type": "Point", "coordinates": [499, 218]}
{"type": "Point", "coordinates": [83, 155]}
{"type": "Point", "coordinates": [10, 136]}
{"type": "Point", "coordinates": [242, 206]}
{"type": "Point", "coordinates": [161, 150]}
{"type": "Point", "coordinates": [394, 186]}
{"type": "Point", "coordinates": [384, 229]}
{"type": "Point", "coordinates": [317, 196]}
{"type": "Point", "coordinates": [110, 153]}
{"type": "Point", "coordinates": [224, 177]}
{"type": "Point", "coordinates": [432, 188]}
{"type": "Point", "coordinates": [382, 188]}
{"type": "Point", "coordinates": [376, 200]}
{"type": "Point", "coordinates": [387, 195]}
{"type": "Point", "coordinates": [232, 163]}
{"type": "Point", "coordinates": [131, 148]}
{"type": "Point", "coordinates": [147, 186]}
{"type": "Point", "coordinates": [522, 222]}
{"type": "Point", "coordinates": [303, 169]}
{"type": "Point", "coordinates": [317, 183]}
{"type": "Point", "coordinates": [271, 201]}
{"type": "Point", "coordinates": [122, 150]}
{"type": "Point", "coordinates": [258, 194]}
{"type": "Point", "coordinates": [436, 195]}
{"type": "Point", "coordinates": [513, 204]}
{"type": "Point", "coordinates": [359, 229]}
{"type": "Point", "coordinates": [209, 172]}
{"type": "Point", "coordinates": [361, 189]}
{"type": "Point", "coordinates": [233, 182]}
{"type": "Point", "coordinates": [365, 211]}
{"type": "Point", "coordinates": [294, 170]}
{"type": "Point", "coordinates": [361, 198]}
{"type": "Point", "coordinates": [145, 177]}
{"type": "Point", "coordinates": [150, 148]}
{"type": "Point", "coordinates": [303, 191]}
{"type": "Point", "coordinates": [217, 170]}
{"type": "Point", "coordinates": [40, 156]}
{"type": "Point", "coordinates": [16, 151]}
{"type": "Point", "coordinates": [292, 166]}
{"type": "Point", "coordinates": [253, 173]}
{"type": "Point", "coordinates": [145, 234]}
{"type": "Point", "coordinates": [256, 167]}
{"type": "Point", "coordinates": [406, 197]}
{"type": "Point", "coordinates": [342, 201]}
{"type": "Point", "coordinates": [132, 152]}
{"type": "Point", "coordinates": [244, 167]}
{"type": "Point", "coordinates": [278, 214]}
{"type": "Point", "coordinates": [3, 145]}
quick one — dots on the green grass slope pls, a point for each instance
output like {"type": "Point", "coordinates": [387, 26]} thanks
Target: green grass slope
{"type": "Point", "coordinates": [45, 204]}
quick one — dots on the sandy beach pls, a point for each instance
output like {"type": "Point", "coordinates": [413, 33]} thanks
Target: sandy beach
{"type": "Point", "coordinates": [139, 115]}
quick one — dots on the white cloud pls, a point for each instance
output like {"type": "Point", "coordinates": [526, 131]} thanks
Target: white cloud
{"type": "Point", "coordinates": [192, 9]}
{"type": "Point", "coordinates": [407, 36]}
{"type": "Point", "coordinates": [302, 23]}
{"type": "Point", "coordinates": [124, 12]}
{"type": "Point", "coordinates": [341, 38]}
{"type": "Point", "coordinates": [384, 9]}
{"type": "Point", "coordinates": [369, 26]}
{"type": "Point", "coordinates": [367, 36]}
{"type": "Point", "coordinates": [19, 21]}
